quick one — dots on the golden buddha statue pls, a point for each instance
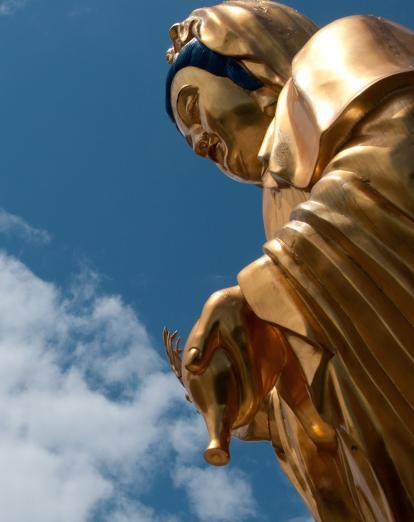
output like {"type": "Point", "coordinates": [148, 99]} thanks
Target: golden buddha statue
{"type": "Point", "coordinates": [313, 349]}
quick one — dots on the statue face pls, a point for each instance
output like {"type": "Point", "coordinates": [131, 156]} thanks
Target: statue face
{"type": "Point", "coordinates": [220, 121]}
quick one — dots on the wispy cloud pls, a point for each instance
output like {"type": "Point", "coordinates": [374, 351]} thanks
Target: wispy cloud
{"type": "Point", "coordinates": [15, 225]}
{"type": "Point", "coordinates": [220, 495]}
{"type": "Point", "coordinates": [8, 7]}
{"type": "Point", "coordinates": [89, 417]}
{"type": "Point", "coordinates": [215, 494]}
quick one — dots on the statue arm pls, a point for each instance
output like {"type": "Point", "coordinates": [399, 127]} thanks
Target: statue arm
{"type": "Point", "coordinates": [263, 358]}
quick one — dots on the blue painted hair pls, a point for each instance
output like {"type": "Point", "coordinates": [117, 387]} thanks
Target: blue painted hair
{"type": "Point", "coordinates": [196, 54]}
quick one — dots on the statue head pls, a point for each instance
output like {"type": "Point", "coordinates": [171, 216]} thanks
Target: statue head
{"type": "Point", "coordinates": [229, 64]}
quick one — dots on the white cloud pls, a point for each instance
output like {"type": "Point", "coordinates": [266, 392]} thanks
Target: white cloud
{"type": "Point", "coordinates": [12, 224]}
{"type": "Point", "coordinates": [139, 513]}
{"type": "Point", "coordinates": [217, 494]}
{"type": "Point", "coordinates": [187, 436]}
{"type": "Point", "coordinates": [8, 7]}
{"type": "Point", "coordinates": [87, 412]}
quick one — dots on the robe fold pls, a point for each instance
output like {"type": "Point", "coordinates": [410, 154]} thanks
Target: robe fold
{"type": "Point", "coordinates": [338, 278]}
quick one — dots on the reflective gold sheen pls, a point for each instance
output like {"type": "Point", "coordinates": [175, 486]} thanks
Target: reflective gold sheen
{"type": "Point", "coordinates": [313, 349]}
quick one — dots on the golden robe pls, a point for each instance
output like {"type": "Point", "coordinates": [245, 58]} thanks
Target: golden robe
{"type": "Point", "coordinates": [338, 276]}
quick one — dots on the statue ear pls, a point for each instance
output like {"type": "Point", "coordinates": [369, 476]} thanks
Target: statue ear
{"type": "Point", "coordinates": [188, 115]}
{"type": "Point", "coordinates": [266, 97]}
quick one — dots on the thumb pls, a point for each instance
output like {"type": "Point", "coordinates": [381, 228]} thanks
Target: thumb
{"type": "Point", "coordinates": [199, 350]}
{"type": "Point", "coordinates": [193, 361]}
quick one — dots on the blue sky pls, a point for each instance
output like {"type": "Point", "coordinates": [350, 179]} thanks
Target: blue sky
{"type": "Point", "coordinates": [110, 228]}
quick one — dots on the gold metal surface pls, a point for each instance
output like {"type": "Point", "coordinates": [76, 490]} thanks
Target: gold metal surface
{"type": "Point", "coordinates": [313, 350]}
{"type": "Point", "coordinates": [334, 85]}
{"type": "Point", "coordinates": [210, 112]}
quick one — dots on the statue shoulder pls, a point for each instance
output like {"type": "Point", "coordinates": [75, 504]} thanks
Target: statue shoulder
{"type": "Point", "coordinates": [347, 56]}
{"type": "Point", "coordinates": [338, 76]}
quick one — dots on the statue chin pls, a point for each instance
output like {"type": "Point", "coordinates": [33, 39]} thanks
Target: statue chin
{"type": "Point", "coordinates": [237, 173]}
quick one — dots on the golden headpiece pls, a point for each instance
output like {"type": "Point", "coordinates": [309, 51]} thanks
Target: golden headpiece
{"type": "Point", "coordinates": [263, 35]}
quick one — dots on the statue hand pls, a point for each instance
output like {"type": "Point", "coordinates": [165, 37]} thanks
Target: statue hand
{"type": "Point", "coordinates": [220, 318]}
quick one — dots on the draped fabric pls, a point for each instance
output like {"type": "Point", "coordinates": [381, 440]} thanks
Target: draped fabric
{"type": "Point", "coordinates": [339, 277]}
{"type": "Point", "coordinates": [342, 72]}
{"type": "Point", "coordinates": [263, 35]}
